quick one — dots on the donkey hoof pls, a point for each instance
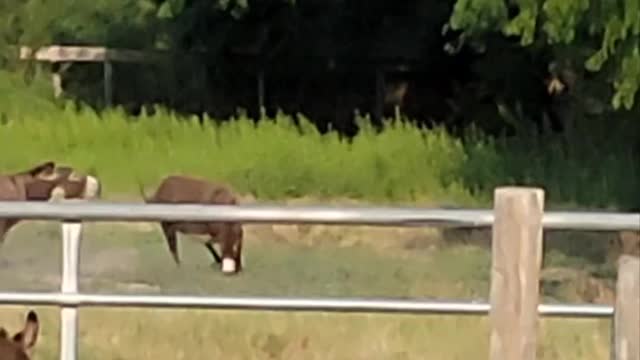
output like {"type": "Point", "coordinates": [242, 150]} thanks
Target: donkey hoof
{"type": "Point", "coordinates": [228, 266]}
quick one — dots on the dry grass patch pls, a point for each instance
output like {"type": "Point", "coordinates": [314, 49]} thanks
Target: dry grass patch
{"type": "Point", "coordinates": [133, 258]}
{"type": "Point", "coordinates": [200, 334]}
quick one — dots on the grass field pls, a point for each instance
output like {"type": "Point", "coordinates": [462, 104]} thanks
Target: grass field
{"type": "Point", "coordinates": [132, 258]}
{"type": "Point", "coordinates": [278, 160]}
{"type": "Point", "coordinates": [286, 156]}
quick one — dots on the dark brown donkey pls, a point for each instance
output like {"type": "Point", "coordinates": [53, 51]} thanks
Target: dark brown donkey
{"type": "Point", "coordinates": [15, 187]}
{"type": "Point", "coordinates": [177, 189]}
{"type": "Point", "coordinates": [44, 182]}
{"type": "Point", "coordinates": [65, 183]}
{"type": "Point", "coordinates": [19, 346]}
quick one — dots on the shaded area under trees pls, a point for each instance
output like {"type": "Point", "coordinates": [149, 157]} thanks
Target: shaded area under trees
{"type": "Point", "coordinates": [501, 66]}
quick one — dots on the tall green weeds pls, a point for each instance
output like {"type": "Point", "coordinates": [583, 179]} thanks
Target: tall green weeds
{"type": "Point", "coordinates": [275, 158]}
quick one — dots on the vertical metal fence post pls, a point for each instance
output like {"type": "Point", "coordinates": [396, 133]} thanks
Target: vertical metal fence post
{"type": "Point", "coordinates": [71, 234]}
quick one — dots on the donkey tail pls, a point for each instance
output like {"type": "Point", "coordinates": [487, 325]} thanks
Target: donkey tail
{"type": "Point", "coordinates": [142, 193]}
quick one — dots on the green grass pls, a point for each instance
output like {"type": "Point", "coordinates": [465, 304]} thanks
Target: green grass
{"type": "Point", "coordinates": [271, 160]}
{"type": "Point", "coordinates": [276, 159]}
{"type": "Point", "coordinates": [18, 95]}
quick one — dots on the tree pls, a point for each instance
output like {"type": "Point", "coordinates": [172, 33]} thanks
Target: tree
{"type": "Point", "coordinates": [601, 36]}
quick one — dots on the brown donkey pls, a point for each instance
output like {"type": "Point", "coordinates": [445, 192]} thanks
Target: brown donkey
{"type": "Point", "coordinates": [14, 187]}
{"type": "Point", "coordinates": [65, 183]}
{"type": "Point", "coordinates": [19, 346]}
{"type": "Point", "coordinates": [45, 182]}
{"type": "Point", "coordinates": [176, 189]}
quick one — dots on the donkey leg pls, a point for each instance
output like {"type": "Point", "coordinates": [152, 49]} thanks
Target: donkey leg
{"type": "Point", "coordinates": [4, 229]}
{"type": "Point", "coordinates": [231, 240]}
{"type": "Point", "coordinates": [229, 253]}
{"type": "Point", "coordinates": [239, 257]}
{"type": "Point", "coordinates": [172, 241]}
{"type": "Point", "coordinates": [237, 234]}
{"type": "Point", "coordinates": [5, 226]}
{"type": "Point", "coordinates": [212, 251]}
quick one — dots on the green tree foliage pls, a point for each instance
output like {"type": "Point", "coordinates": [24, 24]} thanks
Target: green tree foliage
{"type": "Point", "coordinates": [603, 35]}
{"type": "Point", "coordinates": [295, 41]}
{"type": "Point", "coordinates": [42, 22]}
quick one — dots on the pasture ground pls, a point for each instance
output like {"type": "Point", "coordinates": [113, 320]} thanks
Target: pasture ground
{"type": "Point", "coordinates": [284, 260]}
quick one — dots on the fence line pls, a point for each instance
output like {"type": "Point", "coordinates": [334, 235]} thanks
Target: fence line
{"type": "Point", "coordinates": [518, 221]}
{"type": "Point", "coordinates": [272, 214]}
{"type": "Point", "coordinates": [341, 305]}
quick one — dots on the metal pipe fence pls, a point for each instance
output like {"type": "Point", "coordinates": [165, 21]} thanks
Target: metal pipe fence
{"type": "Point", "coordinates": [341, 305]}
{"type": "Point", "coordinates": [74, 213]}
{"type": "Point", "coordinates": [273, 214]}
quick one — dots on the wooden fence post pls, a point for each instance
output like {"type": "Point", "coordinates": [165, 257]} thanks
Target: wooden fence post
{"type": "Point", "coordinates": [261, 100]}
{"type": "Point", "coordinates": [515, 272]}
{"type": "Point", "coordinates": [626, 321]}
{"type": "Point", "coordinates": [108, 83]}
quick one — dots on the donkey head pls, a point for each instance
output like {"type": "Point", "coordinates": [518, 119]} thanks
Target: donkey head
{"type": "Point", "coordinates": [45, 170]}
{"type": "Point", "coordinates": [64, 182]}
{"type": "Point", "coordinates": [19, 346]}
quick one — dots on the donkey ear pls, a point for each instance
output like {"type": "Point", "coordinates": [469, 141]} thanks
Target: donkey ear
{"type": "Point", "coordinates": [64, 171]}
{"type": "Point", "coordinates": [3, 333]}
{"type": "Point", "coordinates": [44, 168]}
{"type": "Point", "coordinates": [28, 337]}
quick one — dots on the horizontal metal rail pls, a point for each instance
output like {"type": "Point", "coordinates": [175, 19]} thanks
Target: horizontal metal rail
{"type": "Point", "coordinates": [73, 212]}
{"type": "Point", "coordinates": [353, 305]}
{"type": "Point", "coordinates": [380, 216]}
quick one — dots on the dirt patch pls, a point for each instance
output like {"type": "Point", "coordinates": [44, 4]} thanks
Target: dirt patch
{"type": "Point", "coordinates": [626, 243]}
{"type": "Point", "coordinates": [377, 237]}
{"type": "Point", "coordinates": [106, 260]}
{"type": "Point", "coordinates": [142, 226]}
{"type": "Point", "coordinates": [578, 286]}
{"type": "Point", "coordinates": [135, 287]}
{"type": "Point", "coordinates": [312, 235]}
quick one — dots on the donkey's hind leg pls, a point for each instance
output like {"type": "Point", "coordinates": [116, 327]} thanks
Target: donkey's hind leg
{"type": "Point", "coordinates": [172, 241]}
{"type": "Point", "coordinates": [213, 252]}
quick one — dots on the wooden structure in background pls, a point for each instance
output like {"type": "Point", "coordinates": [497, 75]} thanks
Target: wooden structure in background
{"type": "Point", "coordinates": [386, 92]}
{"type": "Point", "coordinates": [67, 55]}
